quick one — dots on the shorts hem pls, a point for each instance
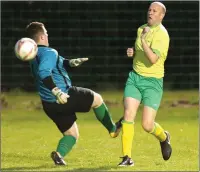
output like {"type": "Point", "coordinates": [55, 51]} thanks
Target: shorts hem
{"type": "Point", "coordinates": [151, 106]}
{"type": "Point", "coordinates": [133, 97]}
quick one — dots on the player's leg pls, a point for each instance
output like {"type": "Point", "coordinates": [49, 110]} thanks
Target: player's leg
{"type": "Point", "coordinates": [150, 126]}
{"type": "Point", "coordinates": [65, 144]}
{"type": "Point", "coordinates": [132, 98]}
{"type": "Point", "coordinates": [102, 114]}
{"type": "Point", "coordinates": [130, 109]}
{"type": "Point", "coordinates": [151, 100]}
{"type": "Point", "coordinates": [84, 99]}
{"type": "Point", "coordinates": [64, 119]}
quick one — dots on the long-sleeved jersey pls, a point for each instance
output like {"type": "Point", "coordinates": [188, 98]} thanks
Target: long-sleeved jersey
{"type": "Point", "coordinates": [49, 63]}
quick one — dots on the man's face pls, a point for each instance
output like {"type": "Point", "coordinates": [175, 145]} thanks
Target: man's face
{"type": "Point", "coordinates": [155, 14]}
{"type": "Point", "coordinates": [45, 37]}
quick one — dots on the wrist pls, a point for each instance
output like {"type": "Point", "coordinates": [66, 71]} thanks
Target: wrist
{"type": "Point", "coordinates": [55, 91]}
{"type": "Point", "coordinates": [142, 40]}
{"type": "Point", "coordinates": [73, 62]}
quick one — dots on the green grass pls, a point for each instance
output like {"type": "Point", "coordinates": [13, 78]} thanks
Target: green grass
{"type": "Point", "coordinates": [28, 137]}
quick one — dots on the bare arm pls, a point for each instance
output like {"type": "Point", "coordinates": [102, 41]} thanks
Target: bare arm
{"type": "Point", "coordinates": [148, 51]}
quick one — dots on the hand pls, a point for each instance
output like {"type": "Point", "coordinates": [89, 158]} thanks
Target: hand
{"type": "Point", "coordinates": [130, 52]}
{"type": "Point", "coordinates": [61, 96]}
{"type": "Point", "coordinates": [77, 62]}
{"type": "Point", "coordinates": [144, 32]}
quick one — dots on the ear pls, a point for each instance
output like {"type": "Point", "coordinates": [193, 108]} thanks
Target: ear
{"type": "Point", "coordinates": [162, 15]}
{"type": "Point", "coordinates": [42, 37]}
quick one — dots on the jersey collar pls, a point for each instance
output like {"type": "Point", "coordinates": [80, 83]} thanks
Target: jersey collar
{"type": "Point", "coordinates": [41, 45]}
{"type": "Point", "coordinates": [152, 27]}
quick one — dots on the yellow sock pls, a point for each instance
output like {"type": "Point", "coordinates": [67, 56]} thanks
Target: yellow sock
{"type": "Point", "coordinates": [127, 137]}
{"type": "Point", "coordinates": [158, 132]}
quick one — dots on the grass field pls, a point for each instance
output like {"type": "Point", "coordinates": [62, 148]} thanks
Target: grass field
{"type": "Point", "coordinates": [28, 136]}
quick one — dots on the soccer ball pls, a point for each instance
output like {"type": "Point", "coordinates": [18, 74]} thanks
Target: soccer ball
{"type": "Point", "coordinates": [26, 49]}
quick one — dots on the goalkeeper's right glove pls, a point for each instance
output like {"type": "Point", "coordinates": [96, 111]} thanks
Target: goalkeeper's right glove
{"type": "Point", "coordinates": [61, 96]}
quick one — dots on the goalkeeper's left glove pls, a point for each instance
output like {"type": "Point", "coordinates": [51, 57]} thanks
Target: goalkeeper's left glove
{"type": "Point", "coordinates": [60, 95]}
{"type": "Point", "coordinates": [77, 62]}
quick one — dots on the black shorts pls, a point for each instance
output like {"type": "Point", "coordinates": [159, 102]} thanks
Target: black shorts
{"type": "Point", "coordinates": [64, 115]}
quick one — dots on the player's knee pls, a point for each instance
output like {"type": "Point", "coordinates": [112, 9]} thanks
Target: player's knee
{"type": "Point", "coordinates": [147, 126]}
{"type": "Point", "coordinates": [74, 134]}
{"type": "Point", "coordinates": [128, 115]}
{"type": "Point", "coordinates": [73, 131]}
{"type": "Point", "coordinates": [98, 100]}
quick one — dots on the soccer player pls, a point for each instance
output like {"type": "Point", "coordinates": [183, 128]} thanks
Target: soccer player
{"type": "Point", "coordinates": [145, 82]}
{"type": "Point", "coordinates": [59, 98]}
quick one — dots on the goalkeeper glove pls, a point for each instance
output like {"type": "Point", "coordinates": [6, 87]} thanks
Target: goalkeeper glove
{"type": "Point", "coordinates": [61, 96]}
{"type": "Point", "coordinates": [77, 62]}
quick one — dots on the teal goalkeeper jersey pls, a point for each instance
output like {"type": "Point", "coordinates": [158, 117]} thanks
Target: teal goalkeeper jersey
{"type": "Point", "coordinates": [49, 63]}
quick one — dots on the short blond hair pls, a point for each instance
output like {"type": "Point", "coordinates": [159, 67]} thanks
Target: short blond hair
{"type": "Point", "coordinates": [162, 5]}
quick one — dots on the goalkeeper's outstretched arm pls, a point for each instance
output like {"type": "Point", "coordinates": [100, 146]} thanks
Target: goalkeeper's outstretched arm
{"type": "Point", "coordinates": [74, 62]}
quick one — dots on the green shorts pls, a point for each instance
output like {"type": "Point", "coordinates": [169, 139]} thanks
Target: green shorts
{"type": "Point", "coordinates": [147, 90]}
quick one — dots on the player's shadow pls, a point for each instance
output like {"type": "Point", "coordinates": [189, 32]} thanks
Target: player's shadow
{"type": "Point", "coordinates": [50, 166]}
{"type": "Point", "coordinates": [60, 168]}
{"type": "Point", "coordinates": [103, 168]}
{"type": "Point", "coordinates": [23, 168]}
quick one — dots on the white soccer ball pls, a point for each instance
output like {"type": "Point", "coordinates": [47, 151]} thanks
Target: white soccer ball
{"type": "Point", "coordinates": [26, 49]}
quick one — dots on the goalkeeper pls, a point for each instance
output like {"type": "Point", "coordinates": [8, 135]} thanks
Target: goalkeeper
{"type": "Point", "coordinates": [59, 98]}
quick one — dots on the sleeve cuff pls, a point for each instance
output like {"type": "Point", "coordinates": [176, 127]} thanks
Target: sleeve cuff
{"type": "Point", "coordinates": [156, 52]}
{"type": "Point", "coordinates": [48, 82]}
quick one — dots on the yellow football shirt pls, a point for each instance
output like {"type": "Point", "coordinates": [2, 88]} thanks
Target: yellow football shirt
{"type": "Point", "coordinates": [158, 40]}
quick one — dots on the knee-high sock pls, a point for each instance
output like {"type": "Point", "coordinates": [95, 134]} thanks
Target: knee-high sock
{"type": "Point", "coordinates": [104, 117]}
{"type": "Point", "coordinates": [65, 145]}
{"type": "Point", "coordinates": [158, 132]}
{"type": "Point", "coordinates": [127, 137]}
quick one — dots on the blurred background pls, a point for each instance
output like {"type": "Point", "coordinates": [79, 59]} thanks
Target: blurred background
{"type": "Point", "coordinates": [101, 31]}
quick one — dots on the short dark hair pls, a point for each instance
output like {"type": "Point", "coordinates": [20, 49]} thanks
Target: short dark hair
{"type": "Point", "coordinates": [33, 29]}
